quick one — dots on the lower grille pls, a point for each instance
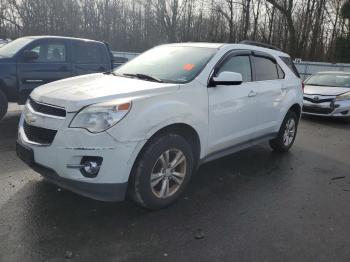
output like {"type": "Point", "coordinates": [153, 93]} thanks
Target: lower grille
{"type": "Point", "coordinates": [38, 134]}
{"type": "Point", "coordinates": [317, 110]}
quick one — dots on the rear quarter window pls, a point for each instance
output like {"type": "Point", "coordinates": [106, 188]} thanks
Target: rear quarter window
{"type": "Point", "coordinates": [288, 61]}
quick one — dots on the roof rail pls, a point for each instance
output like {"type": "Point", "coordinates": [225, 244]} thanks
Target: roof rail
{"type": "Point", "coordinates": [248, 42]}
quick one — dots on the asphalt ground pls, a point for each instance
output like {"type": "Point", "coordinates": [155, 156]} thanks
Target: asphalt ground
{"type": "Point", "coordinates": [254, 205]}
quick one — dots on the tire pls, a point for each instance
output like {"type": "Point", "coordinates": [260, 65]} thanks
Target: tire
{"type": "Point", "coordinates": [3, 104]}
{"type": "Point", "coordinates": [153, 164]}
{"type": "Point", "coordinates": [287, 133]}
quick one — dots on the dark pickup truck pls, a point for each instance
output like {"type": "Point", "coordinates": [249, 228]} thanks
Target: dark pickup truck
{"type": "Point", "coordinates": [28, 62]}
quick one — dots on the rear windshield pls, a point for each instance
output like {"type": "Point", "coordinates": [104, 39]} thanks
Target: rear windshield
{"type": "Point", "coordinates": [337, 80]}
{"type": "Point", "coordinates": [10, 49]}
{"type": "Point", "coordinates": [288, 61]}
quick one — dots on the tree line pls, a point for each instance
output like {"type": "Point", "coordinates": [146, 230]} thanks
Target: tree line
{"type": "Point", "coordinates": [316, 30]}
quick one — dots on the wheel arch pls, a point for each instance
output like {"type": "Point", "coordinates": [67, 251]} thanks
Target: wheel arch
{"type": "Point", "coordinates": [3, 87]}
{"type": "Point", "coordinates": [296, 108]}
{"type": "Point", "coordinates": [185, 130]}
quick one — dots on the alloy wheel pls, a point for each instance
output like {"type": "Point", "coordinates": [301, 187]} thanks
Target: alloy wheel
{"type": "Point", "coordinates": [289, 132]}
{"type": "Point", "coordinates": [168, 173]}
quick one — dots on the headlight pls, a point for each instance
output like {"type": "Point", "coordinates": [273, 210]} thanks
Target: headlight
{"type": "Point", "coordinates": [99, 117]}
{"type": "Point", "coordinates": [343, 97]}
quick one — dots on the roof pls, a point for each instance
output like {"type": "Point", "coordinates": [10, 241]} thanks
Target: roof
{"type": "Point", "coordinates": [198, 44]}
{"type": "Point", "coordinates": [257, 48]}
{"type": "Point", "coordinates": [60, 37]}
{"type": "Point", "coordinates": [231, 46]}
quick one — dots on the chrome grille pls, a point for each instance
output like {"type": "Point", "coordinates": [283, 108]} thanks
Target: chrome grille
{"type": "Point", "coordinates": [47, 109]}
{"type": "Point", "coordinates": [319, 100]}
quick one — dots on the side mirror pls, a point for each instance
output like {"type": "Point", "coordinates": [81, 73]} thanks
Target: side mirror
{"type": "Point", "coordinates": [227, 78]}
{"type": "Point", "coordinates": [30, 55]}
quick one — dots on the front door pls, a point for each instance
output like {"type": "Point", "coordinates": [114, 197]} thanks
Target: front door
{"type": "Point", "coordinates": [232, 108]}
{"type": "Point", "coordinates": [52, 64]}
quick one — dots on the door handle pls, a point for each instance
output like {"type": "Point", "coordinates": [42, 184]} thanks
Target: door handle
{"type": "Point", "coordinates": [252, 93]}
{"type": "Point", "coordinates": [284, 90]}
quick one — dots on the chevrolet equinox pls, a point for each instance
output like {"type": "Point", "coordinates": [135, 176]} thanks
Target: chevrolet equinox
{"type": "Point", "coordinates": [142, 129]}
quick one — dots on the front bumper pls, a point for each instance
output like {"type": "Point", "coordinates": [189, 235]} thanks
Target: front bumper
{"type": "Point", "coordinates": [97, 191]}
{"type": "Point", "coordinates": [68, 148]}
{"type": "Point", "coordinates": [336, 109]}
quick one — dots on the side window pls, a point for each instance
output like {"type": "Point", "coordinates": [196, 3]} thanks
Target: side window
{"type": "Point", "coordinates": [56, 53]}
{"type": "Point", "coordinates": [288, 61]}
{"type": "Point", "coordinates": [238, 64]}
{"type": "Point", "coordinates": [265, 69]}
{"type": "Point", "coordinates": [50, 53]}
{"type": "Point", "coordinates": [87, 53]}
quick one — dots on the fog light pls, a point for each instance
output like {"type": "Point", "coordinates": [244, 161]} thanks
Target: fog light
{"type": "Point", "coordinates": [90, 166]}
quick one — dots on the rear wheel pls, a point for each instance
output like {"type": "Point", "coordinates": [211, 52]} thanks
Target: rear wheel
{"type": "Point", "coordinates": [287, 133]}
{"type": "Point", "coordinates": [3, 104]}
{"type": "Point", "coordinates": [162, 171]}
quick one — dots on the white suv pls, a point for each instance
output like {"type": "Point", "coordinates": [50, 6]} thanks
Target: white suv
{"type": "Point", "coordinates": [143, 128]}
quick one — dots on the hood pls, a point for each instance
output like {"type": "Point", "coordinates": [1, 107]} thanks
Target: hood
{"type": "Point", "coordinates": [77, 92]}
{"type": "Point", "coordinates": [325, 90]}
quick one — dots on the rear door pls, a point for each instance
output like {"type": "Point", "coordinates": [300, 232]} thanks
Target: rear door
{"type": "Point", "coordinates": [271, 91]}
{"type": "Point", "coordinates": [89, 57]}
{"type": "Point", "coordinates": [52, 64]}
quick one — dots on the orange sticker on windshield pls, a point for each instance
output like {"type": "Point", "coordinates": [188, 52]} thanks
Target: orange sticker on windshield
{"type": "Point", "coordinates": [188, 67]}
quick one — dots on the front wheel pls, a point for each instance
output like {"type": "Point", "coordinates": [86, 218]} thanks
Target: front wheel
{"type": "Point", "coordinates": [162, 171]}
{"type": "Point", "coordinates": [287, 133]}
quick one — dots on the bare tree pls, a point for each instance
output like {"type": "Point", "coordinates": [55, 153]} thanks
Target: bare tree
{"type": "Point", "coordinates": [309, 29]}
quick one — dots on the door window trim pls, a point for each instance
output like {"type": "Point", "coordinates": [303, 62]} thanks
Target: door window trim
{"type": "Point", "coordinates": [225, 57]}
{"type": "Point", "coordinates": [45, 42]}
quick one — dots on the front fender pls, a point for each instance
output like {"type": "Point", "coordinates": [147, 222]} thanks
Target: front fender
{"type": "Point", "coordinates": [149, 115]}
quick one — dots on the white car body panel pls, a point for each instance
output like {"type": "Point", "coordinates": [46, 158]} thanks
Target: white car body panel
{"type": "Point", "coordinates": [325, 90]}
{"type": "Point", "coordinates": [77, 92]}
{"type": "Point", "coordinates": [232, 115]}
{"type": "Point", "coordinates": [222, 117]}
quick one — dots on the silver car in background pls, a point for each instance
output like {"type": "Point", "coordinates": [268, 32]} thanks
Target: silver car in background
{"type": "Point", "coordinates": [327, 94]}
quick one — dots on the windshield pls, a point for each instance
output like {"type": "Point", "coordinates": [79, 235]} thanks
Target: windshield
{"type": "Point", "coordinates": [10, 49]}
{"type": "Point", "coordinates": [336, 80]}
{"type": "Point", "coordinates": [175, 64]}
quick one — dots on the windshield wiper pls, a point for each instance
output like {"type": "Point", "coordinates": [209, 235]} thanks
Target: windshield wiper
{"type": "Point", "coordinates": [145, 77]}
